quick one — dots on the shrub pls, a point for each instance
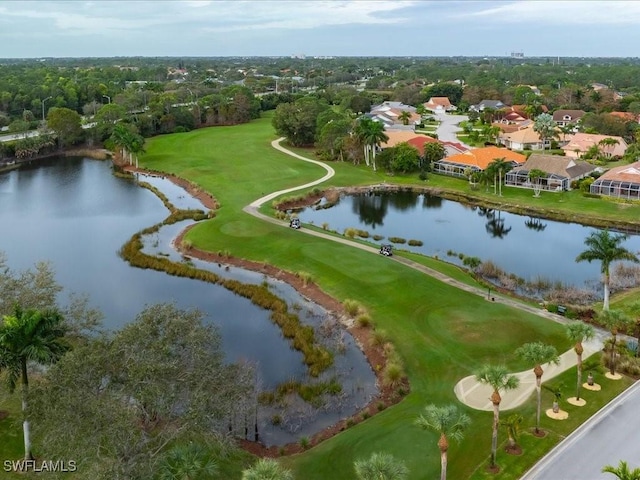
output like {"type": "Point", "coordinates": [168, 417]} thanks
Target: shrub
{"type": "Point", "coordinates": [392, 374]}
{"type": "Point", "coordinates": [364, 320]}
{"type": "Point", "coordinates": [397, 240]}
{"type": "Point", "coordinates": [352, 307]}
{"type": "Point", "coordinates": [325, 226]}
{"type": "Point", "coordinates": [363, 234]}
{"type": "Point", "coordinates": [276, 419]}
{"type": "Point", "coordinates": [350, 232]}
{"type": "Point", "coordinates": [306, 277]}
{"type": "Point", "coordinates": [415, 243]}
{"type": "Point", "coordinates": [304, 443]}
{"type": "Point", "coordinates": [379, 337]}
{"type": "Point", "coordinates": [377, 238]}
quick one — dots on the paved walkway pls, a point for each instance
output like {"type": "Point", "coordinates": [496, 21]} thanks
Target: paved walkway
{"type": "Point", "coordinates": [468, 390]}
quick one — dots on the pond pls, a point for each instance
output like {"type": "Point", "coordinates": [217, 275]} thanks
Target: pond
{"type": "Point", "coordinates": [529, 247]}
{"type": "Point", "coordinates": [75, 214]}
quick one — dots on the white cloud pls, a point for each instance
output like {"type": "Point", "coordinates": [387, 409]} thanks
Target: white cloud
{"type": "Point", "coordinates": [559, 12]}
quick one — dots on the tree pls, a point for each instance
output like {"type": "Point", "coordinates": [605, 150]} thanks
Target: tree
{"type": "Point", "coordinates": [404, 117]}
{"type": "Point", "coordinates": [406, 158]}
{"type": "Point", "coordinates": [537, 353]}
{"type": "Point", "coordinates": [380, 466]}
{"type": "Point", "coordinates": [29, 336]}
{"type": "Point", "coordinates": [615, 321]}
{"type": "Point", "coordinates": [606, 248]}
{"type": "Point", "coordinates": [534, 176]}
{"type": "Point", "coordinates": [107, 117]}
{"type": "Point", "coordinates": [512, 425]}
{"type": "Point", "coordinates": [544, 126]}
{"type": "Point", "coordinates": [124, 397]}
{"type": "Point", "coordinates": [298, 121]}
{"type": "Point", "coordinates": [448, 423]}
{"type": "Point", "coordinates": [579, 332]}
{"type": "Point", "coordinates": [371, 134]}
{"type": "Point", "coordinates": [433, 151]}
{"type": "Point", "coordinates": [496, 168]}
{"type": "Point", "coordinates": [267, 469]}
{"type": "Point", "coordinates": [605, 143]}
{"type": "Point", "coordinates": [67, 125]}
{"type": "Point", "coordinates": [188, 462]}
{"type": "Point", "coordinates": [622, 471]}
{"type": "Point", "coordinates": [498, 378]}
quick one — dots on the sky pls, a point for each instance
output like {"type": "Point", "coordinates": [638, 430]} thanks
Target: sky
{"type": "Point", "coordinates": [110, 28]}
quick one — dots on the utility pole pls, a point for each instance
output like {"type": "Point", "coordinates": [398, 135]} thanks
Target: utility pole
{"type": "Point", "coordinates": [43, 102]}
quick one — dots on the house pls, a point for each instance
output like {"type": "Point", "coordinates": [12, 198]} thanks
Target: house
{"type": "Point", "coordinates": [391, 115]}
{"type": "Point", "coordinates": [384, 106]}
{"type": "Point", "coordinates": [579, 143]}
{"type": "Point", "coordinates": [484, 104]}
{"type": "Point", "coordinates": [626, 116]}
{"type": "Point", "coordinates": [567, 117]}
{"type": "Point", "coordinates": [439, 105]}
{"type": "Point", "coordinates": [560, 172]}
{"type": "Point", "coordinates": [399, 136]}
{"type": "Point", "coordinates": [621, 182]}
{"type": "Point", "coordinates": [477, 159]}
{"type": "Point", "coordinates": [523, 139]}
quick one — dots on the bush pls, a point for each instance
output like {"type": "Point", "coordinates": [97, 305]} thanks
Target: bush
{"type": "Point", "coordinates": [363, 234]}
{"type": "Point", "coordinates": [304, 443]}
{"type": "Point", "coordinates": [392, 374]}
{"type": "Point", "coordinates": [415, 243]}
{"type": "Point", "coordinates": [352, 307]}
{"type": "Point", "coordinates": [350, 232]}
{"type": "Point", "coordinates": [377, 238]}
{"type": "Point", "coordinates": [364, 320]}
{"type": "Point", "coordinates": [397, 240]}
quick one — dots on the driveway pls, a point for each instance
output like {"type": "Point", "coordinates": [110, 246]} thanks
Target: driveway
{"type": "Point", "coordinates": [606, 438]}
{"type": "Point", "coordinates": [449, 126]}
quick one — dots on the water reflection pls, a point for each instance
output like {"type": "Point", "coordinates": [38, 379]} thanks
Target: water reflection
{"type": "Point", "coordinates": [371, 209]}
{"type": "Point", "coordinates": [535, 224]}
{"type": "Point", "coordinates": [495, 226]}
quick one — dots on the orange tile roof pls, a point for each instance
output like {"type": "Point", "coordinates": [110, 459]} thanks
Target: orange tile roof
{"type": "Point", "coordinates": [482, 157]}
{"type": "Point", "coordinates": [398, 136]}
{"type": "Point", "coordinates": [420, 142]}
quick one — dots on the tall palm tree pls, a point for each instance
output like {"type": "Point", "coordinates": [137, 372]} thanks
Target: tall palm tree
{"type": "Point", "coordinates": [497, 167]}
{"type": "Point", "coordinates": [544, 126]}
{"type": "Point", "coordinates": [375, 137]}
{"type": "Point", "coordinates": [267, 469]}
{"type": "Point", "coordinates": [380, 466]}
{"type": "Point", "coordinates": [606, 248]}
{"type": "Point", "coordinates": [449, 423]}
{"type": "Point", "coordinates": [615, 321]}
{"type": "Point", "coordinates": [607, 142]}
{"type": "Point", "coordinates": [29, 336]}
{"type": "Point", "coordinates": [622, 471]}
{"type": "Point", "coordinates": [537, 353]}
{"type": "Point", "coordinates": [579, 332]}
{"type": "Point", "coordinates": [498, 377]}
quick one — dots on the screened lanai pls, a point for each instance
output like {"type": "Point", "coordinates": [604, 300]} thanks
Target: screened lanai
{"type": "Point", "coordinates": [520, 178]}
{"type": "Point", "coordinates": [616, 188]}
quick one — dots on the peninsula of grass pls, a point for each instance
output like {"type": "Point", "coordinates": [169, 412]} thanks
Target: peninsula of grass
{"type": "Point", "coordinates": [441, 333]}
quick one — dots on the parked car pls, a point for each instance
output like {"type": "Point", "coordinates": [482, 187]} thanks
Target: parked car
{"type": "Point", "coordinates": [295, 223]}
{"type": "Point", "coordinates": [386, 250]}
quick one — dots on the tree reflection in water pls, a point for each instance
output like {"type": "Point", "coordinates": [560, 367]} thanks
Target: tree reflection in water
{"type": "Point", "coordinates": [371, 208]}
{"type": "Point", "coordinates": [535, 224]}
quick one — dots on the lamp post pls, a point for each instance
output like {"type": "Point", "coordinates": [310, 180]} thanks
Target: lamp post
{"type": "Point", "coordinates": [43, 102]}
{"type": "Point", "coordinates": [107, 97]}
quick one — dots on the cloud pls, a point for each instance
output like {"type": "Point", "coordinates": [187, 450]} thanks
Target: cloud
{"type": "Point", "coordinates": [557, 12]}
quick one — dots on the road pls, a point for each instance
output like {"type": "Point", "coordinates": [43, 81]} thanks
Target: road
{"type": "Point", "coordinates": [33, 133]}
{"type": "Point", "coordinates": [449, 126]}
{"type": "Point", "coordinates": [608, 437]}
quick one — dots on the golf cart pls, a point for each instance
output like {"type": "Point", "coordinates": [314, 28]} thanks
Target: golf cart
{"type": "Point", "coordinates": [386, 250]}
{"type": "Point", "coordinates": [295, 223]}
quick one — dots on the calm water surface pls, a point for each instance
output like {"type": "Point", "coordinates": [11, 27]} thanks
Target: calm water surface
{"type": "Point", "coordinates": [75, 214]}
{"type": "Point", "coordinates": [526, 246]}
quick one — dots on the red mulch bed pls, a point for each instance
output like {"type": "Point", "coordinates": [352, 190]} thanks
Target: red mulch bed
{"type": "Point", "coordinates": [387, 395]}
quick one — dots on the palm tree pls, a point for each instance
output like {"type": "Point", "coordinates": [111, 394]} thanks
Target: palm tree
{"type": "Point", "coordinates": [615, 321]}
{"type": "Point", "coordinates": [267, 469]}
{"type": "Point", "coordinates": [535, 175]}
{"type": "Point", "coordinates": [449, 423]}
{"type": "Point", "coordinates": [404, 117]}
{"type": "Point", "coordinates": [497, 167]}
{"type": "Point", "coordinates": [29, 336]}
{"type": "Point", "coordinates": [607, 142]}
{"type": "Point", "coordinates": [605, 247]}
{"type": "Point", "coordinates": [579, 332]}
{"type": "Point", "coordinates": [380, 466]}
{"type": "Point", "coordinates": [537, 353]}
{"type": "Point", "coordinates": [512, 424]}
{"type": "Point", "coordinates": [498, 377]}
{"type": "Point", "coordinates": [188, 462]}
{"type": "Point", "coordinates": [544, 126]}
{"type": "Point", "coordinates": [371, 135]}
{"type": "Point", "coordinates": [375, 137]}
{"type": "Point", "coordinates": [622, 471]}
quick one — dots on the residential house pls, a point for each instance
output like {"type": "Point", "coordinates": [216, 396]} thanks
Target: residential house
{"type": "Point", "coordinates": [477, 159]}
{"type": "Point", "coordinates": [414, 139]}
{"type": "Point", "coordinates": [484, 104]}
{"type": "Point", "coordinates": [560, 172]}
{"type": "Point", "coordinates": [439, 105]}
{"type": "Point", "coordinates": [524, 139]}
{"type": "Point", "coordinates": [580, 143]}
{"type": "Point", "coordinates": [390, 114]}
{"type": "Point", "coordinates": [626, 116]}
{"type": "Point", "coordinates": [567, 117]}
{"type": "Point", "coordinates": [620, 182]}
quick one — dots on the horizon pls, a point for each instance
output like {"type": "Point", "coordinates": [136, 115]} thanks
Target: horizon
{"type": "Point", "coordinates": [333, 28]}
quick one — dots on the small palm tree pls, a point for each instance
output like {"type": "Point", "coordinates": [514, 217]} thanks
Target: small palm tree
{"type": "Point", "coordinates": [267, 469]}
{"type": "Point", "coordinates": [404, 117]}
{"type": "Point", "coordinates": [449, 423]}
{"type": "Point", "coordinates": [534, 177]}
{"type": "Point", "coordinates": [380, 466]}
{"type": "Point", "coordinates": [622, 471]}
{"type": "Point", "coordinates": [498, 377]}
{"type": "Point", "coordinates": [512, 425]}
{"type": "Point", "coordinates": [606, 248]}
{"type": "Point", "coordinates": [537, 353]}
{"type": "Point", "coordinates": [188, 462]}
{"type": "Point", "coordinates": [29, 336]}
{"type": "Point", "coordinates": [615, 321]}
{"type": "Point", "coordinates": [579, 332]}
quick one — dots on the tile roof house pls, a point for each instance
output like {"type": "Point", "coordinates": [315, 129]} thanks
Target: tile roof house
{"type": "Point", "coordinates": [567, 117]}
{"type": "Point", "coordinates": [626, 116]}
{"type": "Point", "coordinates": [439, 105]}
{"type": "Point", "coordinates": [494, 104]}
{"type": "Point", "coordinates": [415, 139]}
{"type": "Point", "coordinates": [523, 139]}
{"type": "Point", "coordinates": [560, 170]}
{"type": "Point", "coordinates": [389, 113]}
{"type": "Point", "coordinates": [579, 143]}
{"type": "Point", "coordinates": [477, 159]}
{"type": "Point", "coordinates": [621, 182]}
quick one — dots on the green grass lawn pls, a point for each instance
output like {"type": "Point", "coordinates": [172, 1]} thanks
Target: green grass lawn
{"type": "Point", "coordinates": [441, 333]}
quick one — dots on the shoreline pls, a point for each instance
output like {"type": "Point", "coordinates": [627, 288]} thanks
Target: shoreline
{"type": "Point", "coordinates": [375, 355]}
